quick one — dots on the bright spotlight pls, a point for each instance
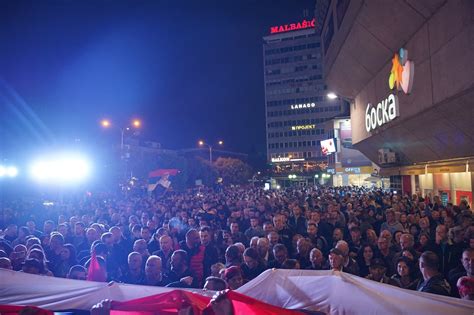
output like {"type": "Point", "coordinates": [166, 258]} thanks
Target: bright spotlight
{"type": "Point", "coordinates": [61, 169]}
{"type": "Point", "coordinates": [3, 171]}
{"type": "Point", "coordinates": [11, 171]}
{"type": "Point", "coordinates": [332, 95]}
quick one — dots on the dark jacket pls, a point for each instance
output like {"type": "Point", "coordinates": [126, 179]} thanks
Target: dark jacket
{"type": "Point", "coordinates": [436, 285]}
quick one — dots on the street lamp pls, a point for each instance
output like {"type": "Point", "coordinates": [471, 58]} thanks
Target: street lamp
{"type": "Point", "coordinates": [202, 143]}
{"type": "Point", "coordinates": [136, 123]}
{"type": "Point", "coordinates": [332, 95]}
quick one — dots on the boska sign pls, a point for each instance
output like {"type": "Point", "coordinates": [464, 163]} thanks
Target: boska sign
{"type": "Point", "coordinates": [385, 111]}
{"type": "Point", "coordinates": [401, 78]}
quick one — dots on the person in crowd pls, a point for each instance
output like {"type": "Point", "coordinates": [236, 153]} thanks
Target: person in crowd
{"type": "Point", "coordinates": [252, 266]}
{"type": "Point", "coordinates": [336, 259]}
{"type": "Point", "coordinates": [236, 235]}
{"type": "Point", "coordinates": [467, 270]}
{"type": "Point", "coordinates": [154, 272]}
{"type": "Point", "coordinates": [165, 251]}
{"type": "Point", "coordinates": [234, 278]}
{"type": "Point", "coordinates": [180, 275]}
{"type": "Point", "coordinates": [67, 260]}
{"type": "Point", "coordinates": [134, 274]}
{"type": "Point", "coordinates": [392, 225]}
{"type": "Point", "coordinates": [377, 271]}
{"type": "Point", "coordinates": [233, 256]}
{"type": "Point", "coordinates": [405, 277]}
{"type": "Point", "coordinates": [350, 265]}
{"type": "Point", "coordinates": [255, 230]}
{"type": "Point", "coordinates": [317, 240]}
{"type": "Point", "coordinates": [317, 260]}
{"type": "Point", "coordinates": [365, 255]}
{"type": "Point", "coordinates": [303, 247]}
{"type": "Point", "coordinates": [77, 272]}
{"type": "Point", "coordinates": [280, 252]}
{"type": "Point", "coordinates": [211, 253]}
{"type": "Point", "coordinates": [33, 266]}
{"type": "Point", "coordinates": [217, 269]}
{"type": "Point", "coordinates": [215, 284]}
{"type": "Point", "coordinates": [263, 248]}
{"type": "Point", "coordinates": [465, 287]}
{"type": "Point", "coordinates": [5, 263]}
{"type": "Point", "coordinates": [433, 281]}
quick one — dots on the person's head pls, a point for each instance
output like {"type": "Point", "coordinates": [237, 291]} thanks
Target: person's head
{"type": "Point", "coordinates": [141, 247]}
{"type": "Point", "coordinates": [56, 242]}
{"type": "Point", "coordinates": [263, 245]}
{"type": "Point", "coordinates": [179, 260]}
{"type": "Point", "coordinates": [383, 243]}
{"type": "Point", "coordinates": [234, 227]}
{"type": "Point", "coordinates": [233, 276]}
{"type": "Point", "coordinates": [406, 241]}
{"type": "Point", "coordinates": [254, 222]}
{"type": "Point", "coordinates": [215, 284]}
{"type": "Point", "coordinates": [48, 227]}
{"type": "Point", "coordinates": [166, 243]}
{"type": "Point", "coordinates": [135, 261]}
{"type": "Point", "coordinates": [33, 266]}
{"type": "Point", "coordinates": [251, 258]}
{"type": "Point", "coordinates": [404, 267]}
{"type": "Point", "coordinates": [232, 253]}
{"type": "Point", "coordinates": [68, 253]}
{"type": "Point", "coordinates": [441, 233]}
{"type": "Point", "coordinates": [145, 233]}
{"type": "Point", "coordinates": [303, 247]}
{"type": "Point", "coordinates": [205, 235]}
{"type": "Point", "coordinates": [390, 214]}
{"type": "Point", "coordinates": [423, 239]}
{"type": "Point", "coordinates": [192, 238]}
{"type": "Point", "coordinates": [280, 252]}
{"type": "Point", "coordinates": [367, 252]}
{"type": "Point", "coordinates": [377, 269]}
{"type": "Point", "coordinates": [355, 234]}
{"type": "Point", "coordinates": [386, 234]}
{"type": "Point", "coordinates": [273, 237]}
{"type": "Point", "coordinates": [153, 267]}
{"type": "Point", "coordinates": [108, 239]}
{"type": "Point", "coordinates": [254, 242]}
{"type": "Point", "coordinates": [468, 261]}
{"type": "Point", "coordinates": [268, 227]}
{"type": "Point", "coordinates": [312, 229]}
{"type": "Point", "coordinates": [37, 254]}
{"type": "Point", "coordinates": [465, 287]}
{"type": "Point", "coordinates": [278, 222]}
{"type": "Point", "coordinates": [316, 257]}
{"type": "Point", "coordinates": [216, 269]}
{"type": "Point", "coordinates": [336, 259]}
{"type": "Point", "coordinates": [343, 247]}
{"type": "Point", "coordinates": [429, 264]}
{"type": "Point", "coordinates": [337, 235]}
{"type": "Point", "coordinates": [5, 263]}
{"type": "Point", "coordinates": [32, 241]}
{"type": "Point", "coordinates": [291, 264]}
{"type": "Point", "coordinates": [92, 235]}
{"type": "Point", "coordinates": [371, 236]}
{"type": "Point", "coordinates": [77, 272]}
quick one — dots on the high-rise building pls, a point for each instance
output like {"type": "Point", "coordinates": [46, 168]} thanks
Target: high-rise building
{"type": "Point", "coordinates": [295, 100]}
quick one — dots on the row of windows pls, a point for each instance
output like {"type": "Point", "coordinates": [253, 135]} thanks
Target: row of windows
{"type": "Point", "coordinates": [285, 70]}
{"type": "Point", "coordinates": [291, 112]}
{"type": "Point", "coordinates": [293, 101]}
{"type": "Point", "coordinates": [284, 50]}
{"type": "Point", "coordinates": [301, 89]}
{"type": "Point", "coordinates": [295, 144]}
{"type": "Point", "coordinates": [276, 82]}
{"type": "Point", "coordinates": [299, 122]}
{"type": "Point", "coordinates": [277, 61]}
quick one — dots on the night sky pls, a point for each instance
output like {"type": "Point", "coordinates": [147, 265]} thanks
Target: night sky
{"type": "Point", "coordinates": [189, 69]}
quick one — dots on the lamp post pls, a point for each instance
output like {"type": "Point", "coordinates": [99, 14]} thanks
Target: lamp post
{"type": "Point", "coordinates": [202, 143]}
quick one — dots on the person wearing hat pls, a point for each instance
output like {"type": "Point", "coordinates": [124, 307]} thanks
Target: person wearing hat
{"type": "Point", "coordinates": [377, 271]}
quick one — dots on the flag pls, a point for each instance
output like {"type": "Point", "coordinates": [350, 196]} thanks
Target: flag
{"type": "Point", "coordinates": [95, 271]}
{"type": "Point", "coordinates": [160, 177]}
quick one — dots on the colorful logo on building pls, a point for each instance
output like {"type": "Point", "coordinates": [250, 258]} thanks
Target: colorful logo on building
{"type": "Point", "coordinates": [403, 70]}
{"type": "Point", "coordinates": [293, 26]}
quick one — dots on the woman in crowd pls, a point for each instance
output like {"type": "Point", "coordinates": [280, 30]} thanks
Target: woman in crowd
{"type": "Point", "coordinates": [364, 257]}
{"type": "Point", "coordinates": [252, 266]}
{"type": "Point", "coordinates": [405, 277]}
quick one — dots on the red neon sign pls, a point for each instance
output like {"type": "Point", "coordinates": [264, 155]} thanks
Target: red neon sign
{"type": "Point", "coordinates": [292, 26]}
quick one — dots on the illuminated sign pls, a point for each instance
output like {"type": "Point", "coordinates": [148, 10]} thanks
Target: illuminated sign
{"type": "Point", "coordinates": [303, 127]}
{"type": "Point", "coordinates": [293, 26]}
{"type": "Point", "coordinates": [286, 159]}
{"type": "Point", "coordinates": [402, 72]}
{"type": "Point", "coordinates": [401, 78]}
{"type": "Point", "coordinates": [299, 106]}
{"type": "Point", "coordinates": [328, 146]}
{"type": "Point", "coordinates": [280, 159]}
{"type": "Point", "coordinates": [384, 112]}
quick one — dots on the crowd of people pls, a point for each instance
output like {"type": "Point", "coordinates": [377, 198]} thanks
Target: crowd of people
{"type": "Point", "coordinates": [218, 239]}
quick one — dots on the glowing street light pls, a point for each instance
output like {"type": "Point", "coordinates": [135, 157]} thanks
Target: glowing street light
{"type": "Point", "coordinates": [202, 143]}
{"type": "Point", "coordinates": [332, 95]}
{"type": "Point", "coordinates": [136, 123]}
{"type": "Point", "coordinates": [105, 123]}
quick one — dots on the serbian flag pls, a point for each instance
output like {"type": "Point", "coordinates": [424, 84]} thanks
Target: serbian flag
{"type": "Point", "coordinates": [177, 301]}
{"type": "Point", "coordinates": [160, 177]}
{"type": "Point", "coordinates": [95, 272]}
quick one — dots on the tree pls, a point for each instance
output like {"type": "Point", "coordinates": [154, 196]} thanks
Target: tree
{"type": "Point", "coordinates": [233, 171]}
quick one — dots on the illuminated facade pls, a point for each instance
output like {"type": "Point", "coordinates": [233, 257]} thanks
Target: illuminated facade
{"type": "Point", "coordinates": [410, 78]}
{"type": "Point", "coordinates": [295, 96]}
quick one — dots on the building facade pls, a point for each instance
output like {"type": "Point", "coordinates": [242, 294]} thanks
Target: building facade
{"type": "Point", "coordinates": [295, 101]}
{"type": "Point", "coordinates": [408, 70]}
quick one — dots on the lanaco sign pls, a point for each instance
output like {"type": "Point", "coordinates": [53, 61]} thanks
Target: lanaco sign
{"type": "Point", "coordinates": [292, 27]}
{"type": "Point", "coordinates": [401, 78]}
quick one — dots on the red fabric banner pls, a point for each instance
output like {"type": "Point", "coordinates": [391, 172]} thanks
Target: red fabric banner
{"type": "Point", "coordinates": [95, 272]}
{"type": "Point", "coordinates": [162, 171]}
{"type": "Point", "coordinates": [15, 310]}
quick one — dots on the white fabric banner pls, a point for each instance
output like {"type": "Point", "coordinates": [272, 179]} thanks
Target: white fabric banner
{"type": "Point", "coordinates": [342, 293]}
{"type": "Point", "coordinates": [326, 291]}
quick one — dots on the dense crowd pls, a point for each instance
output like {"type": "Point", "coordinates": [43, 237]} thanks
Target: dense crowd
{"type": "Point", "coordinates": [225, 238]}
